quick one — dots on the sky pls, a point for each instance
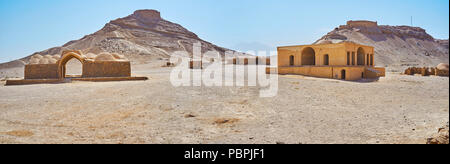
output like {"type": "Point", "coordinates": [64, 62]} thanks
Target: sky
{"type": "Point", "coordinates": [29, 26]}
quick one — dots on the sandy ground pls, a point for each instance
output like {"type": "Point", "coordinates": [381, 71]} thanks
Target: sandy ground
{"type": "Point", "coordinates": [396, 109]}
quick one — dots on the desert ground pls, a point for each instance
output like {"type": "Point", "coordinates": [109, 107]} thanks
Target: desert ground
{"type": "Point", "coordinates": [395, 109]}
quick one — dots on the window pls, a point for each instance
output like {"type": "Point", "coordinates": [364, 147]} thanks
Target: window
{"type": "Point", "coordinates": [308, 56]}
{"type": "Point", "coordinates": [291, 60]}
{"type": "Point", "coordinates": [368, 59]}
{"type": "Point", "coordinates": [371, 60]}
{"type": "Point", "coordinates": [326, 60]}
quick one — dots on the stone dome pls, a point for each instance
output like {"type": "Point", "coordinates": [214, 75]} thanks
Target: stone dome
{"type": "Point", "coordinates": [104, 56]}
{"type": "Point", "coordinates": [442, 67]}
{"type": "Point", "coordinates": [91, 56]}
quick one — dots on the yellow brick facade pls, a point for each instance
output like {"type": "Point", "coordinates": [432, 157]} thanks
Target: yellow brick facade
{"type": "Point", "coordinates": [345, 60]}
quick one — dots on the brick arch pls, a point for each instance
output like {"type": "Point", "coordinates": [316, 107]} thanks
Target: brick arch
{"type": "Point", "coordinates": [66, 57]}
{"type": "Point", "coordinates": [308, 56]}
{"type": "Point", "coordinates": [361, 53]}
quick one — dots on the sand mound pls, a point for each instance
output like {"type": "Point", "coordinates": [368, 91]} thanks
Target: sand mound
{"type": "Point", "coordinates": [442, 67]}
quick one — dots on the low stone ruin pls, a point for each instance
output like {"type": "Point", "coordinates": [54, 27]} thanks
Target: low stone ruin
{"type": "Point", "coordinates": [440, 70]}
{"type": "Point", "coordinates": [52, 68]}
{"type": "Point", "coordinates": [93, 65]}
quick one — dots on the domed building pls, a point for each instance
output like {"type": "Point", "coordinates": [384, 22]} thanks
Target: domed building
{"type": "Point", "coordinates": [52, 68]}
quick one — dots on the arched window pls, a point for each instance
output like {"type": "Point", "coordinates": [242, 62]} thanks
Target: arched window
{"type": "Point", "coordinates": [291, 60]}
{"type": "Point", "coordinates": [308, 56]}
{"type": "Point", "coordinates": [360, 56]}
{"type": "Point", "coordinates": [326, 60]}
{"type": "Point", "coordinates": [371, 60]}
{"type": "Point", "coordinates": [368, 59]}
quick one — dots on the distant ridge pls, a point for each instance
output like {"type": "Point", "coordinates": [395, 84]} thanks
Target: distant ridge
{"type": "Point", "coordinates": [395, 46]}
{"type": "Point", "coordinates": [141, 36]}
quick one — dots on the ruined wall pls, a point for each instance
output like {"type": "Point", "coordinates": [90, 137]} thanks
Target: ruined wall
{"type": "Point", "coordinates": [106, 69]}
{"type": "Point", "coordinates": [41, 71]}
{"type": "Point", "coordinates": [361, 24]}
{"type": "Point", "coordinates": [253, 60]}
{"type": "Point", "coordinates": [374, 72]}
{"type": "Point", "coordinates": [426, 71]}
{"type": "Point", "coordinates": [441, 72]}
{"type": "Point", "coordinates": [382, 71]}
{"type": "Point", "coordinates": [195, 65]}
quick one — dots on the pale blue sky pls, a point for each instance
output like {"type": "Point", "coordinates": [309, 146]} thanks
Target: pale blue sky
{"type": "Point", "coordinates": [29, 26]}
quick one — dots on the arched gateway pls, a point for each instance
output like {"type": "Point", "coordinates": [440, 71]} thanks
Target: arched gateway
{"type": "Point", "coordinates": [66, 57]}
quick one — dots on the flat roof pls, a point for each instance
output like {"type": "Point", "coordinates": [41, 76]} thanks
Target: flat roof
{"type": "Point", "coordinates": [344, 42]}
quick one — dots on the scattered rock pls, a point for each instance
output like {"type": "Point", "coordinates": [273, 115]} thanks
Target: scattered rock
{"type": "Point", "coordinates": [441, 137]}
{"type": "Point", "coordinates": [189, 116]}
{"type": "Point", "coordinates": [225, 121]}
{"type": "Point", "coordinates": [442, 67]}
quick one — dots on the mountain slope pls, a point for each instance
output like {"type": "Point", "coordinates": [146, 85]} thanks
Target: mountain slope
{"type": "Point", "coordinates": [395, 46]}
{"type": "Point", "coordinates": [142, 36]}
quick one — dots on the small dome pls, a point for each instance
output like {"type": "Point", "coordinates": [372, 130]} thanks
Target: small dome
{"type": "Point", "coordinates": [442, 67]}
{"type": "Point", "coordinates": [117, 56]}
{"type": "Point", "coordinates": [57, 57]}
{"type": "Point", "coordinates": [43, 61]}
{"type": "Point", "coordinates": [37, 56]}
{"type": "Point", "coordinates": [34, 61]}
{"type": "Point", "coordinates": [91, 56]}
{"type": "Point", "coordinates": [52, 61]}
{"type": "Point", "coordinates": [104, 56]}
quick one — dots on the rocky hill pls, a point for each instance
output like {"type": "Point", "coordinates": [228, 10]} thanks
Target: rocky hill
{"type": "Point", "coordinates": [395, 46]}
{"type": "Point", "coordinates": [142, 36]}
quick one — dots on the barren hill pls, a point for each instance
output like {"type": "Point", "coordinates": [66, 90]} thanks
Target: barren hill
{"type": "Point", "coordinates": [396, 46]}
{"type": "Point", "coordinates": [140, 36]}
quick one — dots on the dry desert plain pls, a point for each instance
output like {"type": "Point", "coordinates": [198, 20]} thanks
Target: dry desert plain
{"type": "Point", "coordinates": [395, 109]}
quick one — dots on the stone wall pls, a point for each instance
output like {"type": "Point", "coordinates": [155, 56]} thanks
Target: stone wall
{"type": "Point", "coordinates": [426, 71]}
{"type": "Point", "coordinates": [351, 73]}
{"type": "Point", "coordinates": [41, 71]}
{"type": "Point", "coordinates": [106, 69]}
{"type": "Point", "coordinates": [195, 65]}
{"type": "Point", "coordinates": [362, 24]}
